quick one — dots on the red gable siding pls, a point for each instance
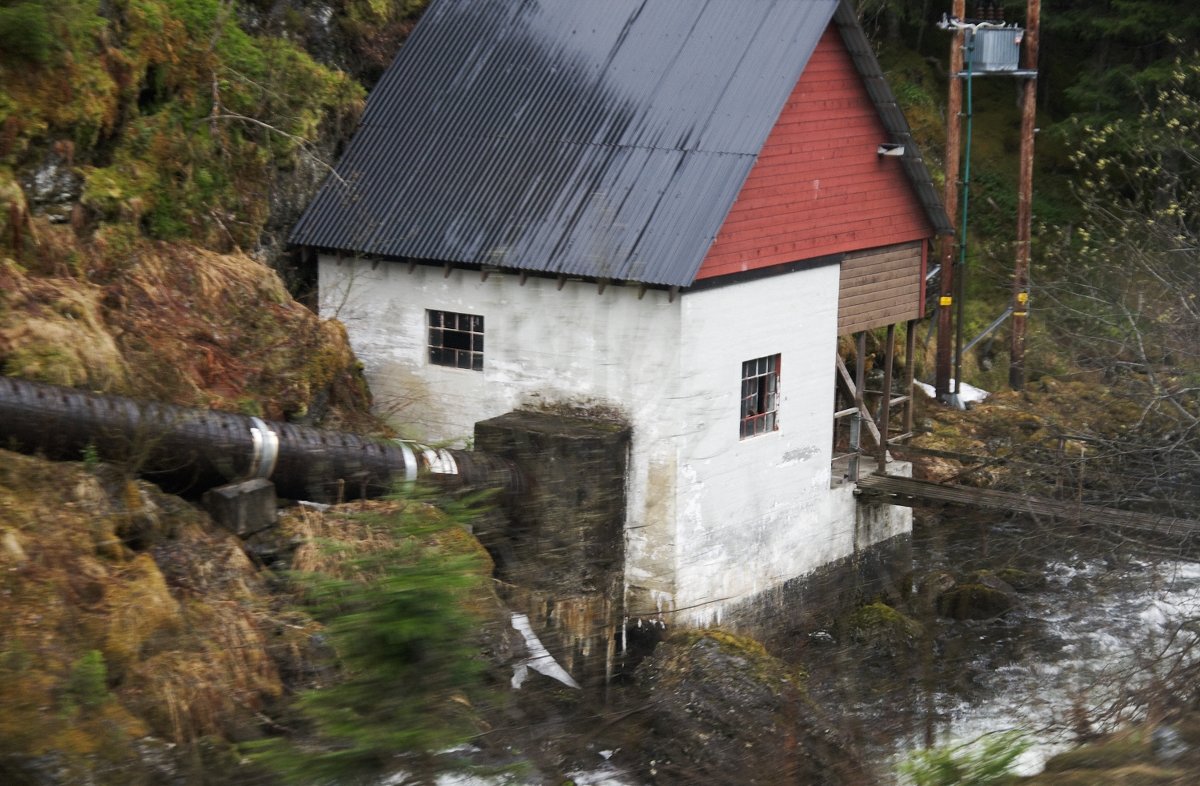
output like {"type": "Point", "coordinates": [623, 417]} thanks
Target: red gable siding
{"type": "Point", "coordinates": [818, 186]}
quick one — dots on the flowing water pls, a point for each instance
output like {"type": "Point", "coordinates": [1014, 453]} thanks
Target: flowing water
{"type": "Point", "coordinates": [1073, 659]}
{"type": "Point", "coordinates": [1098, 623]}
{"type": "Point", "coordinates": [1115, 627]}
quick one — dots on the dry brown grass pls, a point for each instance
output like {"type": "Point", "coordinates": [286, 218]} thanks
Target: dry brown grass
{"type": "Point", "coordinates": [171, 322]}
{"type": "Point", "coordinates": [180, 624]}
{"type": "Point", "coordinates": [331, 540]}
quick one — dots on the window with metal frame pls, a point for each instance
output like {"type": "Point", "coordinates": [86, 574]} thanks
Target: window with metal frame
{"type": "Point", "coordinates": [455, 340]}
{"type": "Point", "coordinates": [760, 396]}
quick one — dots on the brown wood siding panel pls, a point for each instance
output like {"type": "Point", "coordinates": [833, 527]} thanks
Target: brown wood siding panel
{"type": "Point", "coordinates": [818, 186]}
{"type": "Point", "coordinates": [879, 287]}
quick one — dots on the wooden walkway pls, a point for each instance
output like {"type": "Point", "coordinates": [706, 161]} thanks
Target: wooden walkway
{"type": "Point", "coordinates": [908, 492]}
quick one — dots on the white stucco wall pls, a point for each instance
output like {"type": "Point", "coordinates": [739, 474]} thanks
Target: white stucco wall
{"type": "Point", "coordinates": [759, 506]}
{"type": "Point", "coordinates": [712, 519]}
{"type": "Point", "coordinates": [542, 346]}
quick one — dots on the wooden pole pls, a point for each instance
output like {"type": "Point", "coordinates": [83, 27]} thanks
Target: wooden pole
{"type": "Point", "coordinates": [945, 331]}
{"type": "Point", "coordinates": [860, 374]}
{"type": "Point", "coordinates": [885, 410]}
{"type": "Point", "coordinates": [1016, 368]}
{"type": "Point", "coordinates": [910, 364]}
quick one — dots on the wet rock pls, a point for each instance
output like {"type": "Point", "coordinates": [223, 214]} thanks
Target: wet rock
{"type": "Point", "coordinates": [822, 638]}
{"type": "Point", "coordinates": [156, 763]}
{"type": "Point", "coordinates": [53, 188]}
{"type": "Point", "coordinates": [1021, 580]}
{"type": "Point", "coordinates": [722, 710]}
{"type": "Point", "coordinates": [1167, 743]}
{"type": "Point", "coordinates": [934, 585]}
{"type": "Point", "coordinates": [884, 630]}
{"type": "Point", "coordinates": [982, 597]}
{"type": "Point", "coordinates": [311, 24]}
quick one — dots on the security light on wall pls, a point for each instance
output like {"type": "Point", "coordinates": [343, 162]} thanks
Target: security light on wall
{"type": "Point", "coordinates": [890, 149]}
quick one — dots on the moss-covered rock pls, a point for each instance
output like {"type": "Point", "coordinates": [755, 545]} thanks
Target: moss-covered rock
{"type": "Point", "coordinates": [883, 628]}
{"type": "Point", "coordinates": [722, 710]}
{"type": "Point", "coordinates": [1127, 759]}
{"type": "Point", "coordinates": [1109, 754]}
{"type": "Point", "coordinates": [174, 114]}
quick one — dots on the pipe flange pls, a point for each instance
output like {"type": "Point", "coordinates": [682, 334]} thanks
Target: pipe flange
{"type": "Point", "coordinates": [266, 450]}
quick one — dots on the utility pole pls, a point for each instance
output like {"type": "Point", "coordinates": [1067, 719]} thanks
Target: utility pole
{"type": "Point", "coordinates": [1020, 304]}
{"type": "Point", "coordinates": [950, 200]}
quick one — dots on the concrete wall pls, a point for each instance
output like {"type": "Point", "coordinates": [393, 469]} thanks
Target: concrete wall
{"type": "Point", "coordinates": [561, 551]}
{"type": "Point", "coordinates": [760, 507]}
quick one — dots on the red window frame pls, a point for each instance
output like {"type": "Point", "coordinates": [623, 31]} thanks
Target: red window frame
{"type": "Point", "coordinates": [760, 396]}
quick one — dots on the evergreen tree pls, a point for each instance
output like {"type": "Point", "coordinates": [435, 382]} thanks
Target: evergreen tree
{"type": "Point", "coordinates": [398, 619]}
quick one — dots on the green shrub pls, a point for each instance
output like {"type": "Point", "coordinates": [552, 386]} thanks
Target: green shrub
{"type": "Point", "coordinates": [87, 687]}
{"type": "Point", "coordinates": [25, 33]}
{"type": "Point", "coordinates": [988, 763]}
{"type": "Point", "coordinates": [398, 619]}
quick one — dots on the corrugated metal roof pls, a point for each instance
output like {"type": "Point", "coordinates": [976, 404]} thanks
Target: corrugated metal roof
{"type": "Point", "coordinates": [597, 139]}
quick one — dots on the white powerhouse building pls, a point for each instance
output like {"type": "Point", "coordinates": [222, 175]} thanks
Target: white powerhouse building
{"type": "Point", "coordinates": [658, 210]}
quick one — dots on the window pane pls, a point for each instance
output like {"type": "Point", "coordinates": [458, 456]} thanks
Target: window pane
{"type": "Point", "coordinates": [455, 340]}
{"type": "Point", "coordinates": [759, 400]}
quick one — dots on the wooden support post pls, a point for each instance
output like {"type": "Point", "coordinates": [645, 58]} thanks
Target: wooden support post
{"type": "Point", "coordinates": [945, 320]}
{"type": "Point", "coordinates": [855, 392]}
{"type": "Point", "coordinates": [885, 411]}
{"type": "Point", "coordinates": [910, 367]}
{"type": "Point", "coordinates": [860, 372]}
{"type": "Point", "coordinates": [1020, 290]}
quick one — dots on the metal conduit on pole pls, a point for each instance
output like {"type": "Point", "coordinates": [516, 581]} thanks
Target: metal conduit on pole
{"type": "Point", "coordinates": [191, 450]}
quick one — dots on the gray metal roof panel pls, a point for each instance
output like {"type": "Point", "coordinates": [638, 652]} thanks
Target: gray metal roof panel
{"type": "Point", "coordinates": [604, 140]}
